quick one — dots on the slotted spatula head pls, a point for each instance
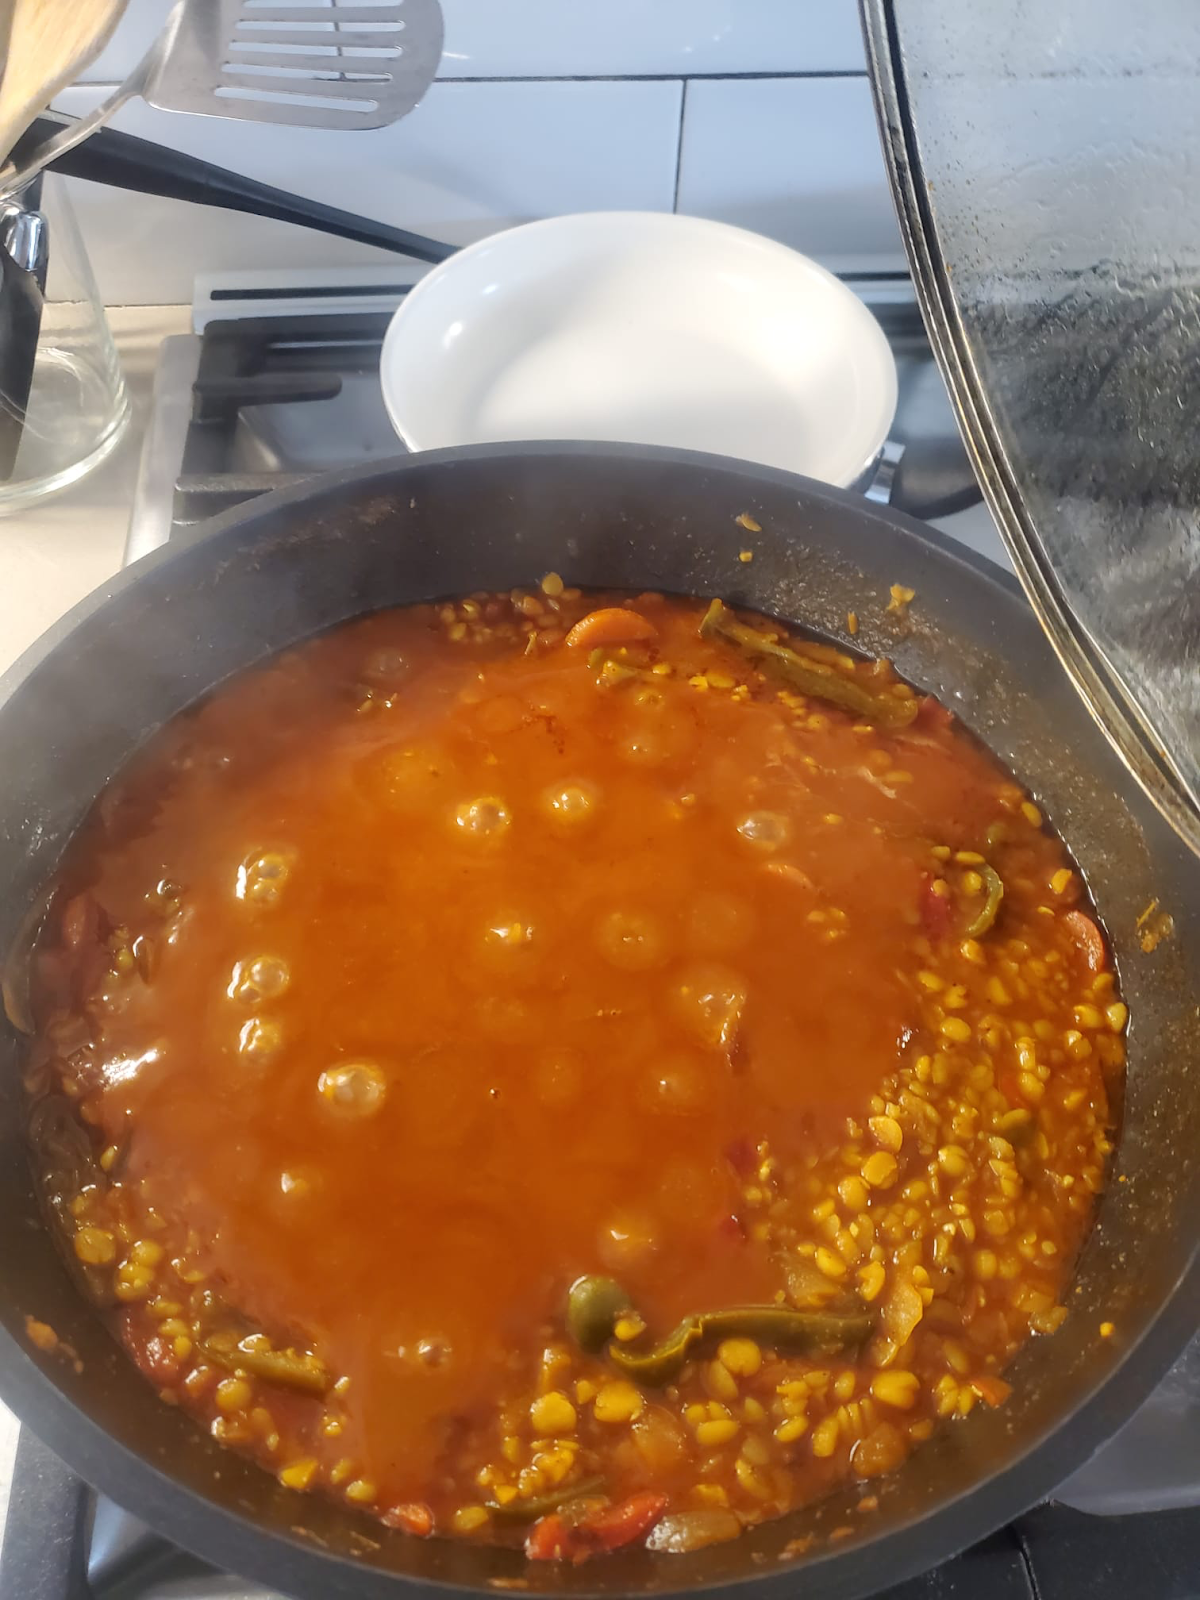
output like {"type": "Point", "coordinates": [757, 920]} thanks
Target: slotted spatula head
{"type": "Point", "coordinates": [320, 64]}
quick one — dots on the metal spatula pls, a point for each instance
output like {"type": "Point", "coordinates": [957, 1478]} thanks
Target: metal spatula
{"type": "Point", "coordinates": [310, 64]}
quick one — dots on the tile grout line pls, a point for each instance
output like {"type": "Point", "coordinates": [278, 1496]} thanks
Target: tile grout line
{"type": "Point", "coordinates": [798, 75]}
{"type": "Point", "coordinates": [658, 77]}
{"type": "Point", "coordinates": [683, 89]}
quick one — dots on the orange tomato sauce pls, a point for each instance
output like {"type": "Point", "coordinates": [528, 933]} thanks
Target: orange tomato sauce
{"type": "Point", "coordinates": [447, 958]}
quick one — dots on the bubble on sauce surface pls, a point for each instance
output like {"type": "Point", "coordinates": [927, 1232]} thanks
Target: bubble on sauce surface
{"type": "Point", "coordinates": [505, 1018]}
{"type": "Point", "coordinates": [627, 1240]}
{"type": "Point", "coordinates": [559, 1077]}
{"type": "Point", "coordinates": [260, 1040]}
{"type": "Point", "coordinates": [261, 877]}
{"type": "Point", "coordinates": [657, 732]}
{"type": "Point", "coordinates": [676, 1083]}
{"type": "Point", "coordinates": [486, 817]}
{"type": "Point", "coordinates": [410, 777]}
{"type": "Point", "coordinates": [499, 714]}
{"type": "Point", "coordinates": [293, 1188]}
{"type": "Point", "coordinates": [644, 746]}
{"type": "Point", "coordinates": [765, 830]}
{"type": "Point", "coordinates": [687, 1190]}
{"type": "Point", "coordinates": [570, 804]}
{"type": "Point", "coordinates": [446, 1098]}
{"type": "Point", "coordinates": [353, 1089]}
{"type": "Point", "coordinates": [386, 666]}
{"type": "Point", "coordinates": [710, 1001]}
{"type": "Point", "coordinates": [720, 923]}
{"type": "Point", "coordinates": [263, 977]}
{"type": "Point", "coordinates": [509, 948]}
{"type": "Point", "coordinates": [631, 939]}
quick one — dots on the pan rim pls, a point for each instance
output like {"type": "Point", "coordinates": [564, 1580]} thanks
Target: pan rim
{"type": "Point", "coordinates": [197, 1523]}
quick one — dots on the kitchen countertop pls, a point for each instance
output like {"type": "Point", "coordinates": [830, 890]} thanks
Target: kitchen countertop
{"type": "Point", "coordinates": [53, 554]}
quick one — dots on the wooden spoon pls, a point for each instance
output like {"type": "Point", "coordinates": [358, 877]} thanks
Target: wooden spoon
{"type": "Point", "coordinates": [49, 44]}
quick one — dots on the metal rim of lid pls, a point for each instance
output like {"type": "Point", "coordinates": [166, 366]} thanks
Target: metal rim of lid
{"type": "Point", "coordinates": [1114, 710]}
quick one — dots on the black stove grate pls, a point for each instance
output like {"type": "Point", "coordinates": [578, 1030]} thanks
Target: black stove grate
{"type": "Point", "coordinates": [265, 361]}
{"type": "Point", "coordinates": [249, 365]}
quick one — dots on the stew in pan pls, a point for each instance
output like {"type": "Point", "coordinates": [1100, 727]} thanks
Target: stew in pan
{"type": "Point", "coordinates": [571, 1069]}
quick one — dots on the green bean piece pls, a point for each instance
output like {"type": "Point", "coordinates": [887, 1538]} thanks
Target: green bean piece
{"type": "Point", "coordinates": [662, 1361]}
{"type": "Point", "coordinates": [542, 1504]}
{"type": "Point", "coordinates": [593, 1307]}
{"type": "Point", "coordinates": [787, 1330]}
{"type": "Point", "coordinates": [779, 1327]}
{"type": "Point", "coordinates": [283, 1367]}
{"type": "Point", "coordinates": [994, 885]}
{"type": "Point", "coordinates": [805, 676]}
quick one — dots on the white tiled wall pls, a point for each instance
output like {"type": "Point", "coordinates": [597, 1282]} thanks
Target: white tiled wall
{"type": "Point", "coordinates": [599, 38]}
{"type": "Point", "coordinates": [796, 158]}
{"type": "Point", "coordinates": [754, 111]}
{"type": "Point", "coordinates": [472, 157]}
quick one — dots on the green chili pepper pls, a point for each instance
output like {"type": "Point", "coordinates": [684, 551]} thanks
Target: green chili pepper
{"type": "Point", "coordinates": [779, 1327]}
{"type": "Point", "coordinates": [805, 676]}
{"type": "Point", "coordinates": [991, 903]}
{"type": "Point", "coordinates": [662, 1361]}
{"type": "Point", "coordinates": [593, 1308]}
{"type": "Point", "coordinates": [541, 1505]}
{"type": "Point", "coordinates": [283, 1367]}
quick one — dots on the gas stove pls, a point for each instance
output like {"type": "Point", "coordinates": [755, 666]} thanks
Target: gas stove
{"type": "Point", "coordinates": [277, 381]}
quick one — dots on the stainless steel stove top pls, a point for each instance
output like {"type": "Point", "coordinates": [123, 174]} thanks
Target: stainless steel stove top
{"type": "Point", "coordinates": [278, 381]}
{"type": "Point", "coordinates": [287, 368]}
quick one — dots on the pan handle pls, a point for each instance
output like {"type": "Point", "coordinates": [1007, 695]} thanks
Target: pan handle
{"type": "Point", "coordinates": [927, 478]}
{"type": "Point", "coordinates": [126, 162]}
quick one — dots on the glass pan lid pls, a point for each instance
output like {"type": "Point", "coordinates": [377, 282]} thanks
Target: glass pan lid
{"type": "Point", "coordinates": [1045, 161]}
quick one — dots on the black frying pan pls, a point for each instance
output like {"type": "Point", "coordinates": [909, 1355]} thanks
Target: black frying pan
{"type": "Point", "coordinates": [450, 521]}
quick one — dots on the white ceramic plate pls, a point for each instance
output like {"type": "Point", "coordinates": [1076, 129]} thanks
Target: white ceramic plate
{"type": "Point", "coordinates": [644, 328]}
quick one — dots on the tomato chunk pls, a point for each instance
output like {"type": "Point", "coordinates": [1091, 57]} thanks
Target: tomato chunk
{"type": "Point", "coordinates": [550, 1540]}
{"type": "Point", "coordinates": [611, 1527]}
{"type": "Point", "coordinates": [614, 1526]}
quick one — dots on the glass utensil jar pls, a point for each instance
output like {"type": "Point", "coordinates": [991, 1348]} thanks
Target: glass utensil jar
{"type": "Point", "coordinates": [63, 402]}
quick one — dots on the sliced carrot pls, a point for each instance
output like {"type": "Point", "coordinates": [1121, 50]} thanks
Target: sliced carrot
{"type": "Point", "coordinates": [992, 1391]}
{"type": "Point", "coordinates": [611, 625]}
{"type": "Point", "coordinates": [413, 1517]}
{"type": "Point", "coordinates": [1089, 939]}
